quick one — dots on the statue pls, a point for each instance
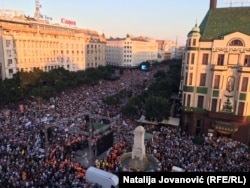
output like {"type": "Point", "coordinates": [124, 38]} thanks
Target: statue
{"type": "Point", "coordinates": [230, 84]}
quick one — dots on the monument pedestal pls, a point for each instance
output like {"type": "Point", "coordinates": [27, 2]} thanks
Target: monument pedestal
{"type": "Point", "coordinates": [137, 164]}
{"type": "Point", "coordinates": [138, 159]}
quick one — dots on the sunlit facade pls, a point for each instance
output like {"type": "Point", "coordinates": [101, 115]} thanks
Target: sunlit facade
{"type": "Point", "coordinates": [130, 51]}
{"type": "Point", "coordinates": [168, 49]}
{"type": "Point", "coordinates": [95, 50]}
{"type": "Point", "coordinates": [28, 43]}
{"type": "Point", "coordinates": [215, 81]}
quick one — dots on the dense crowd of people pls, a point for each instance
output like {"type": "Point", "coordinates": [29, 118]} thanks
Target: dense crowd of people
{"type": "Point", "coordinates": [32, 156]}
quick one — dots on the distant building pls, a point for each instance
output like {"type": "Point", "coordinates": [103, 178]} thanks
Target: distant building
{"type": "Point", "coordinates": [11, 13]}
{"type": "Point", "coordinates": [215, 81]}
{"type": "Point", "coordinates": [168, 49]}
{"type": "Point", "coordinates": [130, 51]}
{"type": "Point", "coordinates": [95, 50]}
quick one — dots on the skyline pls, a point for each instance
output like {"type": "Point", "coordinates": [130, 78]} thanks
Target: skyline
{"type": "Point", "coordinates": [158, 19]}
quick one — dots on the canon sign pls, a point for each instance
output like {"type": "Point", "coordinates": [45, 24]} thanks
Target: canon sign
{"type": "Point", "coordinates": [69, 22]}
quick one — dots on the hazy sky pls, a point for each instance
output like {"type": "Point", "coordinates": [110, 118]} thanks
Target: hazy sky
{"type": "Point", "coordinates": [158, 19]}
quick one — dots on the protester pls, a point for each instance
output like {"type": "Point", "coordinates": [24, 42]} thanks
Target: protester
{"type": "Point", "coordinates": [38, 140]}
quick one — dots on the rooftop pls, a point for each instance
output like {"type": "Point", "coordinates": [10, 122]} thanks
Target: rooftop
{"type": "Point", "coordinates": [223, 21]}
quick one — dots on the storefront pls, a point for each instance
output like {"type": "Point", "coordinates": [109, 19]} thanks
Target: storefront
{"type": "Point", "coordinates": [222, 128]}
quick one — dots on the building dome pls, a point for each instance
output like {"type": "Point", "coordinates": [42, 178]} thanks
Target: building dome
{"type": "Point", "coordinates": [194, 32]}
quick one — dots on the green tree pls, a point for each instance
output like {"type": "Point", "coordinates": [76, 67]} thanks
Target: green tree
{"type": "Point", "coordinates": [157, 108]}
{"type": "Point", "coordinates": [129, 111]}
{"type": "Point", "coordinates": [133, 108]}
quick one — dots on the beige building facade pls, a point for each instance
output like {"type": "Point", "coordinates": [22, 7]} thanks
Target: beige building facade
{"type": "Point", "coordinates": [95, 49]}
{"type": "Point", "coordinates": [168, 49]}
{"type": "Point", "coordinates": [27, 43]}
{"type": "Point", "coordinates": [215, 81]}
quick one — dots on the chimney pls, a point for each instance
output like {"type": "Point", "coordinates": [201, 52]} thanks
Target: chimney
{"type": "Point", "coordinates": [213, 4]}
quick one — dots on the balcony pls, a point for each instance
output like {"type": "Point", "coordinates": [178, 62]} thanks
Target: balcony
{"type": "Point", "coordinates": [188, 88]}
{"type": "Point", "coordinates": [202, 90]}
{"type": "Point", "coordinates": [244, 69]}
{"type": "Point", "coordinates": [218, 67]}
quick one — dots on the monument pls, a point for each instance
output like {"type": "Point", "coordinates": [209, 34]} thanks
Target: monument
{"type": "Point", "coordinates": [138, 159]}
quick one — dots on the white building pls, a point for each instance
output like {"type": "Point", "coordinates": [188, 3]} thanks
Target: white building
{"type": "Point", "coordinates": [130, 51]}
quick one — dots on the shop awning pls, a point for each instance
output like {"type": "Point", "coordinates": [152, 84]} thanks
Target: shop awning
{"type": "Point", "coordinates": [143, 120]}
{"type": "Point", "coordinates": [225, 127]}
{"type": "Point", "coordinates": [169, 121]}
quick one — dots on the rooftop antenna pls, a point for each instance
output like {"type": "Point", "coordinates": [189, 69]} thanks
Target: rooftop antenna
{"type": "Point", "coordinates": [37, 12]}
{"type": "Point", "coordinates": [230, 2]}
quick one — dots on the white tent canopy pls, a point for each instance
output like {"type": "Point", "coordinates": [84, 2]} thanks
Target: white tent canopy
{"type": "Point", "coordinates": [170, 121]}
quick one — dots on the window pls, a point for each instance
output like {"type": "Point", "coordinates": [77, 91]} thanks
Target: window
{"type": "Point", "coordinates": [194, 42]}
{"type": "Point", "coordinates": [236, 43]}
{"type": "Point", "coordinates": [188, 100]}
{"type": "Point", "coordinates": [220, 59]}
{"type": "Point", "coordinates": [247, 60]}
{"type": "Point", "coordinates": [9, 62]}
{"type": "Point", "coordinates": [216, 82]}
{"type": "Point", "coordinates": [188, 56]}
{"type": "Point", "coordinates": [190, 78]}
{"type": "Point", "coordinates": [244, 84]}
{"type": "Point", "coordinates": [214, 105]}
{"type": "Point", "coordinates": [241, 108]}
{"type": "Point", "coordinates": [204, 59]}
{"type": "Point", "coordinates": [10, 71]}
{"type": "Point", "coordinates": [203, 79]}
{"type": "Point", "coordinates": [186, 78]}
{"type": "Point", "coordinates": [7, 43]}
{"type": "Point", "coordinates": [200, 101]}
{"type": "Point", "coordinates": [192, 58]}
{"type": "Point", "coordinates": [8, 52]}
